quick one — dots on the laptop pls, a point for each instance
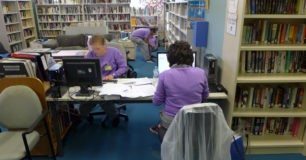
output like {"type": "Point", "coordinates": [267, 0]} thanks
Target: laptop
{"type": "Point", "coordinates": [163, 64]}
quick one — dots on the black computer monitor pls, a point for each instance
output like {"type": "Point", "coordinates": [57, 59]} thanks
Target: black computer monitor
{"type": "Point", "coordinates": [84, 73]}
{"type": "Point", "coordinates": [163, 64]}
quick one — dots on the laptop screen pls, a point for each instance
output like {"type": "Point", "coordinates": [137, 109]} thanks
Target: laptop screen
{"type": "Point", "coordinates": [163, 63]}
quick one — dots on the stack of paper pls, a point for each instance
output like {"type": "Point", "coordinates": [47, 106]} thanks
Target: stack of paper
{"type": "Point", "coordinates": [127, 90]}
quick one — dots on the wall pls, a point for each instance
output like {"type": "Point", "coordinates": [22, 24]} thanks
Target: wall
{"type": "Point", "coordinates": [215, 15]}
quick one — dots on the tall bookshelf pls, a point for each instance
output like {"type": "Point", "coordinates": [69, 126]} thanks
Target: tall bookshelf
{"type": "Point", "coordinates": [17, 23]}
{"type": "Point", "coordinates": [261, 58]}
{"type": "Point", "coordinates": [176, 18]}
{"type": "Point", "coordinates": [144, 17]}
{"type": "Point", "coordinates": [54, 17]}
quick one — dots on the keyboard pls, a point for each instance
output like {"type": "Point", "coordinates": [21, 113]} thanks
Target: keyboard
{"type": "Point", "coordinates": [110, 81]}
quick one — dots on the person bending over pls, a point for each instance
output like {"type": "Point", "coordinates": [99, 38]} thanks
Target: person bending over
{"type": "Point", "coordinates": [140, 37]}
{"type": "Point", "coordinates": [179, 86]}
{"type": "Point", "coordinates": [113, 65]}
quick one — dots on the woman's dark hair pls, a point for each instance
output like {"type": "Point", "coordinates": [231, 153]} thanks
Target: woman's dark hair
{"type": "Point", "coordinates": [180, 53]}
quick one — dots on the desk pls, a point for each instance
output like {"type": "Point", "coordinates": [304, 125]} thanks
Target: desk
{"type": "Point", "coordinates": [54, 103]}
{"type": "Point", "coordinates": [69, 53]}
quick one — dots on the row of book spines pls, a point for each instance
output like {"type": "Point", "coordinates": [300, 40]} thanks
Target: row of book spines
{"type": "Point", "coordinates": [266, 33]}
{"type": "Point", "coordinates": [271, 61]}
{"type": "Point", "coordinates": [51, 33]}
{"type": "Point", "coordinates": [267, 126]}
{"type": "Point", "coordinates": [64, 120]}
{"type": "Point", "coordinates": [12, 28]}
{"type": "Point", "coordinates": [78, 1]}
{"type": "Point", "coordinates": [14, 37]}
{"type": "Point", "coordinates": [27, 32]}
{"type": "Point", "coordinates": [147, 10]}
{"type": "Point", "coordinates": [58, 1]}
{"type": "Point", "coordinates": [16, 47]}
{"type": "Point", "coordinates": [119, 27]}
{"type": "Point", "coordinates": [275, 7]}
{"type": "Point", "coordinates": [261, 97]}
{"type": "Point", "coordinates": [24, 5]}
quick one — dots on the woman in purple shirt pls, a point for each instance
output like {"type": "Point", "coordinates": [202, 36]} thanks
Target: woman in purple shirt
{"type": "Point", "coordinates": [179, 86]}
{"type": "Point", "coordinates": [113, 65]}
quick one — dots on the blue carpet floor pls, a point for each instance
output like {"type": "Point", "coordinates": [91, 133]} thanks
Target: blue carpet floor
{"type": "Point", "coordinates": [131, 140]}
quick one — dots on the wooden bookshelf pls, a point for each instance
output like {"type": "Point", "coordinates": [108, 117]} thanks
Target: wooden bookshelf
{"type": "Point", "coordinates": [269, 112]}
{"type": "Point", "coordinates": [14, 15]}
{"type": "Point", "coordinates": [70, 12]}
{"type": "Point", "coordinates": [234, 79]}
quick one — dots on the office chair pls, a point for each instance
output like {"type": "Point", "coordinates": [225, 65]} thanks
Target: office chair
{"type": "Point", "coordinates": [17, 143]}
{"type": "Point", "coordinates": [116, 121]}
{"type": "Point", "coordinates": [198, 131]}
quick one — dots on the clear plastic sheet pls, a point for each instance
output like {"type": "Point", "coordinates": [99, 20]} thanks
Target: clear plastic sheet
{"type": "Point", "coordinates": [198, 132]}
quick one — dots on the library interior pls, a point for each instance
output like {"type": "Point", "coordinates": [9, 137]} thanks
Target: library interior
{"type": "Point", "coordinates": [124, 79]}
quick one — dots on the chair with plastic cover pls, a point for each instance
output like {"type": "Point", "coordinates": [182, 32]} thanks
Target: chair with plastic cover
{"type": "Point", "coordinates": [198, 132]}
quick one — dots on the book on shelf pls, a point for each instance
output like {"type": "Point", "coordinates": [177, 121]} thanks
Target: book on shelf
{"type": "Point", "coordinates": [118, 9]}
{"type": "Point", "coordinates": [147, 11]}
{"type": "Point", "coordinates": [40, 59]}
{"type": "Point", "coordinates": [144, 21]}
{"type": "Point", "coordinates": [275, 7]}
{"type": "Point", "coordinates": [10, 19]}
{"type": "Point", "coordinates": [50, 26]}
{"type": "Point", "coordinates": [12, 28]}
{"type": "Point", "coordinates": [25, 14]}
{"type": "Point", "coordinates": [71, 18]}
{"type": "Point", "coordinates": [14, 67]}
{"type": "Point", "coordinates": [72, 10]}
{"type": "Point", "coordinates": [95, 17]}
{"type": "Point", "coordinates": [27, 32]}
{"type": "Point", "coordinates": [269, 97]}
{"type": "Point", "coordinates": [95, 9]}
{"type": "Point", "coordinates": [265, 32]}
{"type": "Point", "coordinates": [271, 61]}
{"type": "Point", "coordinates": [118, 17]}
{"type": "Point", "coordinates": [260, 126]}
{"type": "Point", "coordinates": [41, 2]}
{"type": "Point", "coordinates": [49, 18]}
{"type": "Point", "coordinates": [16, 47]}
{"type": "Point", "coordinates": [119, 27]}
{"type": "Point", "coordinates": [24, 5]}
{"type": "Point", "coordinates": [105, 1]}
{"type": "Point", "coordinates": [26, 23]}
{"type": "Point", "coordinates": [50, 33]}
{"type": "Point", "coordinates": [48, 10]}
{"type": "Point", "coordinates": [14, 37]}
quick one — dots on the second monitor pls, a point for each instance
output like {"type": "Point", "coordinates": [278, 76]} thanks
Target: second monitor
{"type": "Point", "coordinates": [163, 64]}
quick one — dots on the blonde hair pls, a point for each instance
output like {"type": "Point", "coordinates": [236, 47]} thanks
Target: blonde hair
{"type": "Point", "coordinates": [97, 39]}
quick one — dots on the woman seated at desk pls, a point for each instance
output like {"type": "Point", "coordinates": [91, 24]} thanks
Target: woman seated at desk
{"type": "Point", "coordinates": [113, 65]}
{"type": "Point", "coordinates": [179, 86]}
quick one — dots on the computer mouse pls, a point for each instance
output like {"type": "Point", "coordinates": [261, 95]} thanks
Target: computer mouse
{"type": "Point", "coordinates": [220, 88]}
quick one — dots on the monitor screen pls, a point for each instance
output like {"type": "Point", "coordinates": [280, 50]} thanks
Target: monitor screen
{"type": "Point", "coordinates": [163, 63]}
{"type": "Point", "coordinates": [82, 71]}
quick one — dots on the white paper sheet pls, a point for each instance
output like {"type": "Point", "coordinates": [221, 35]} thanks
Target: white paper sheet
{"type": "Point", "coordinates": [126, 90]}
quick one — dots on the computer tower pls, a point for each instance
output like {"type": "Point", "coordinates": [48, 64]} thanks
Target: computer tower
{"type": "Point", "coordinates": [211, 68]}
{"type": "Point", "coordinates": [57, 81]}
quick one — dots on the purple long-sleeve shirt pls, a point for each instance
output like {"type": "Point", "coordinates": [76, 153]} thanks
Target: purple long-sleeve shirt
{"type": "Point", "coordinates": [142, 33]}
{"type": "Point", "coordinates": [180, 86]}
{"type": "Point", "coordinates": [111, 63]}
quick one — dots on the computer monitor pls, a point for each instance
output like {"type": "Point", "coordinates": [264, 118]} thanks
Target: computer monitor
{"type": "Point", "coordinates": [84, 73]}
{"type": "Point", "coordinates": [163, 64]}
